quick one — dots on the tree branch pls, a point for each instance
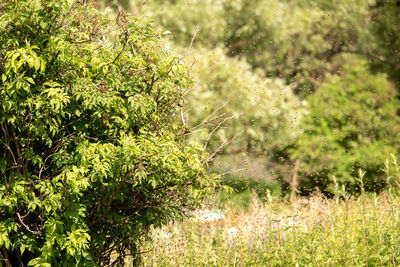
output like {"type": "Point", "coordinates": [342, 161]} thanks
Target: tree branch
{"type": "Point", "coordinates": [374, 56]}
{"type": "Point", "coordinates": [26, 226]}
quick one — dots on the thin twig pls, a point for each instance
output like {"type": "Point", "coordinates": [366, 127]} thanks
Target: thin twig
{"type": "Point", "coordinates": [191, 43]}
{"type": "Point", "coordinates": [139, 9]}
{"type": "Point", "coordinates": [215, 129]}
{"type": "Point", "coordinates": [215, 111]}
{"type": "Point", "coordinates": [183, 118]}
{"type": "Point", "coordinates": [11, 153]}
{"type": "Point", "coordinates": [210, 120]}
{"type": "Point", "coordinates": [193, 38]}
{"type": "Point", "coordinates": [232, 171]}
{"type": "Point", "coordinates": [210, 158]}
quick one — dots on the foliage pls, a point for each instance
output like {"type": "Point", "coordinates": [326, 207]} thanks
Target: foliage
{"type": "Point", "coordinates": [91, 151]}
{"type": "Point", "coordinates": [264, 112]}
{"type": "Point", "coordinates": [296, 40]}
{"type": "Point", "coordinates": [304, 43]}
{"type": "Point", "coordinates": [204, 19]}
{"type": "Point", "coordinates": [385, 36]}
{"type": "Point", "coordinates": [352, 123]}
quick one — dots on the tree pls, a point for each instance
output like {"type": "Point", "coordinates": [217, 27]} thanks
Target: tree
{"type": "Point", "coordinates": [383, 46]}
{"type": "Point", "coordinates": [263, 113]}
{"type": "Point", "coordinates": [298, 40]}
{"type": "Point", "coordinates": [304, 43]}
{"type": "Point", "coordinates": [91, 151]}
{"type": "Point", "coordinates": [352, 124]}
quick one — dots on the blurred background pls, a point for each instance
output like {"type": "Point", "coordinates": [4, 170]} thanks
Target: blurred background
{"type": "Point", "coordinates": [287, 96]}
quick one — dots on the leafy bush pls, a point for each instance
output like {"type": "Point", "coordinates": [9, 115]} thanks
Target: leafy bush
{"type": "Point", "coordinates": [91, 152]}
{"type": "Point", "coordinates": [352, 123]}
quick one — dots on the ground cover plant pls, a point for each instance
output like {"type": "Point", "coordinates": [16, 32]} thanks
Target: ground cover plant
{"type": "Point", "coordinates": [91, 153]}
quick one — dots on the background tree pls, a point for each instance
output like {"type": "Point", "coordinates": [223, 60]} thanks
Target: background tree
{"type": "Point", "coordinates": [352, 123]}
{"type": "Point", "coordinates": [91, 152]}
{"type": "Point", "coordinates": [295, 40]}
{"type": "Point", "coordinates": [383, 45]}
{"type": "Point", "coordinates": [263, 113]}
{"type": "Point", "coordinates": [250, 116]}
{"type": "Point", "coordinates": [301, 42]}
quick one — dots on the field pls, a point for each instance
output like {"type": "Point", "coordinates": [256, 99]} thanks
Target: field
{"type": "Point", "coordinates": [276, 231]}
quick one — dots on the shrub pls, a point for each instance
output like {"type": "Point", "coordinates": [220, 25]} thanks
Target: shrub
{"type": "Point", "coordinates": [91, 153]}
{"type": "Point", "coordinates": [352, 123]}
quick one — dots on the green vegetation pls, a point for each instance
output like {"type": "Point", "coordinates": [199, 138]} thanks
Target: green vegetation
{"type": "Point", "coordinates": [312, 231]}
{"type": "Point", "coordinates": [385, 38]}
{"type": "Point", "coordinates": [256, 114]}
{"type": "Point", "coordinates": [344, 230]}
{"type": "Point", "coordinates": [91, 152]}
{"type": "Point", "coordinates": [115, 114]}
{"type": "Point", "coordinates": [297, 40]}
{"type": "Point", "coordinates": [324, 53]}
{"type": "Point", "coordinates": [352, 124]}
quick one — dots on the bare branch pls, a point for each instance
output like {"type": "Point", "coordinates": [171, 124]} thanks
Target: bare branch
{"type": "Point", "coordinates": [210, 158]}
{"type": "Point", "coordinates": [232, 171]}
{"type": "Point", "coordinates": [183, 118]}
{"type": "Point", "coordinates": [215, 129]}
{"type": "Point", "coordinates": [210, 120]}
{"type": "Point", "coordinates": [11, 153]}
{"type": "Point", "coordinates": [26, 226]}
{"type": "Point", "coordinates": [193, 38]}
{"type": "Point", "coordinates": [215, 111]}
{"type": "Point", "coordinates": [139, 9]}
{"type": "Point", "coordinates": [294, 183]}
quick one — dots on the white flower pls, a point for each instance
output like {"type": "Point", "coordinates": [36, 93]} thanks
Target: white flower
{"type": "Point", "coordinates": [208, 215]}
{"type": "Point", "coordinates": [165, 235]}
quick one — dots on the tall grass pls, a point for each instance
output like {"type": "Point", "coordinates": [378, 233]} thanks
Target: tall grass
{"type": "Point", "coordinates": [303, 231]}
{"type": "Point", "coordinates": [296, 231]}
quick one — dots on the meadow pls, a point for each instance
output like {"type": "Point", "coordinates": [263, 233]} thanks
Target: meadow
{"type": "Point", "coordinates": [248, 228]}
{"type": "Point", "coordinates": [289, 231]}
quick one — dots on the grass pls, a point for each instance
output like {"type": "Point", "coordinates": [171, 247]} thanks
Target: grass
{"type": "Point", "coordinates": [313, 231]}
{"type": "Point", "coordinates": [245, 189]}
{"type": "Point", "coordinates": [245, 175]}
